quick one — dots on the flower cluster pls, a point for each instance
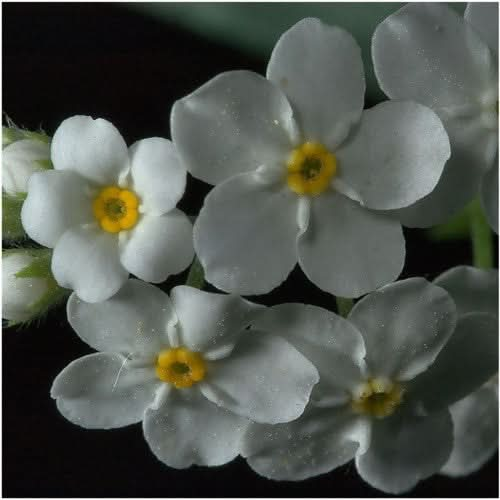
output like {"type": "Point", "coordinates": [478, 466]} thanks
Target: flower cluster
{"type": "Point", "coordinates": [405, 383]}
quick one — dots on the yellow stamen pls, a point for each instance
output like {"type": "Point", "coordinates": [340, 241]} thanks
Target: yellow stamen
{"type": "Point", "coordinates": [116, 209]}
{"type": "Point", "coordinates": [180, 367]}
{"type": "Point", "coordinates": [377, 397]}
{"type": "Point", "coordinates": [310, 169]}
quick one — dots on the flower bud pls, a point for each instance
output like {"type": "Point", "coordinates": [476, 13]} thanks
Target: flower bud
{"type": "Point", "coordinates": [28, 287]}
{"type": "Point", "coordinates": [21, 159]}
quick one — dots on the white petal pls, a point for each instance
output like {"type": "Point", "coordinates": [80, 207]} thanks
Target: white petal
{"type": "Point", "coordinates": [19, 161]}
{"type": "Point", "coordinates": [93, 148]}
{"type": "Point", "coordinates": [395, 156]}
{"type": "Point", "coordinates": [264, 379]}
{"type": "Point", "coordinates": [85, 260]}
{"type": "Point", "coordinates": [245, 235]}
{"type": "Point", "coordinates": [319, 68]}
{"type": "Point", "coordinates": [187, 429]}
{"type": "Point", "coordinates": [317, 442]}
{"type": "Point", "coordinates": [472, 289]}
{"type": "Point", "coordinates": [483, 17]}
{"type": "Point", "coordinates": [473, 149]}
{"type": "Point", "coordinates": [133, 321]}
{"type": "Point", "coordinates": [348, 250]}
{"type": "Point", "coordinates": [329, 341]}
{"type": "Point", "coordinates": [158, 246]}
{"type": "Point", "coordinates": [405, 449]}
{"type": "Point", "coordinates": [56, 202]}
{"type": "Point", "coordinates": [489, 196]}
{"type": "Point", "coordinates": [100, 391]}
{"type": "Point", "coordinates": [466, 362]}
{"type": "Point", "coordinates": [405, 325]}
{"type": "Point", "coordinates": [232, 124]}
{"type": "Point", "coordinates": [427, 53]}
{"type": "Point", "coordinates": [210, 321]}
{"type": "Point", "coordinates": [475, 432]}
{"type": "Point", "coordinates": [158, 176]}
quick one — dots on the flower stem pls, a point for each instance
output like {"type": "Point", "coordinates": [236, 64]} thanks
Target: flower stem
{"type": "Point", "coordinates": [482, 240]}
{"type": "Point", "coordinates": [196, 276]}
{"type": "Point", "coordinates": [344, 306]}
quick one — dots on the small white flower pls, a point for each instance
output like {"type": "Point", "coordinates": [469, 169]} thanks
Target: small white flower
{"type": "Point", "coordinates": [187, 367]}
{"type": "Point", "coordinates": [21, 159]}
{"type": "Point", "coordinates": [22, 295]}
{"type": "Point", "coordinates": [475, 418]}
{"type": "Point", "coordinates": [301, 171]}
{"type": "Point", "coordinates": [426, 52]}
{"type": "Point", "coordinates": [387, 377]}
{"type": "Point", "coordinates": [108, 211]}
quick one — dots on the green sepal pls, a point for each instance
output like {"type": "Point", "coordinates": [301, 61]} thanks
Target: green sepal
{"type": "Point", "coordinates": [13, 133]}
{"type": "Point", "coordinates": [12, 228]}
{"type": "Point", "coordinates": [196, 276]}
{"type": "Point", "coordinates": [45, 164]}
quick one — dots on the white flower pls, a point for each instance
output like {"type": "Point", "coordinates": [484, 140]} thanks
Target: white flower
{"type": "Point", "coordinates": [108, 211]}
{"type": "Point", "coordinates": [387, 377]}
{"type": "Point", "coordinates": [475, 418]}
{"type": "Point", "coordinates": [186, 367]}
{"type": "Point", "coordinates": [427, 53]}
{"type": "Point", "coordinates": [21, 159]}
{"type": "Point", "coordinates": [301, 170]}
{"type": "Point", "coordinates": [26, 294]}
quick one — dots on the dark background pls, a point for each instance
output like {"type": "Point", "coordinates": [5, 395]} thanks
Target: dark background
{"type": "Point", "coordinates": [105, 61]}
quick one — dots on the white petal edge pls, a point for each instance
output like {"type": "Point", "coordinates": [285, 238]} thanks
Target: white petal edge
{"type": "Point", "coordinates": [319, 68]}
{"type": "Point", "coordinates": [264, 379]}
{"type": "Point", "coordinates": [132, 322]}
{"type": "Point", "coordinates": [232, 124]}
{"type": "Point", "coordinates": [158, 176]}
{"type": "Point", "coordinates": [98, 273]}
{"type": "Point", "coordinates": [348, 250]}
{"type": "Point", "coordinates": [483, 17]}
{"type": "Point", "coordinates": [245, 235]}
{"type": "Point", "coordinates": [56, 201]}
{"type": "Point", "coordinates": [92, 148]}
{"type": "Point", "coordinates": [158, 246]}
{"type": "Point", "coordinates": [100, 391]}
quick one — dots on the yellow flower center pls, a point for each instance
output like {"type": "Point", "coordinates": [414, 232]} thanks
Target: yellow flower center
{"type": "Point", "coordinates": [377, 397]}
{"type": "Point", "coordinates": [116, 209]}
{"type": "Point", "coordinates": [310, 169]}
{"type": "Point", "coordinates": [180, 367]}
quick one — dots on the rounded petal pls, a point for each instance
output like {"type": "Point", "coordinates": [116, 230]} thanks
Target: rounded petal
{"type": "Point", "coordinates": [473, 149]}
{"type": "Point", "coordinates": [404, 325]}
{"type": "Point", "coordinates": [100, 391]}
{"type": "Point", "coordinates": [475, 431]}
{"type": "Point", "coordinates": [210, 322]}
{"type": "Point", "coordinates": [265, 379]}
{"type": "Point", "coordinates": [56, 202]}
{"type": "Point", "coordinates": [483, 17]}
{"type": "Point", "coordinates": [93, 148]}
{"type": "Point", "coordinates": [245, 235]}
{"type": "Point", "coordinates": [317, 442]}
{"type": "Point", "coordinates": [489, 196]}
{"type": "Point", "coordinates": [395, 156]}
{"type": "Point", "coordinates": [19, 161]}
{"type": "Point", "coordinates": [158, 246]}
{"type": "Point", "coordinates": [405, 449]}
{"type": "Point", "coordinates": [232, 124]}
{"type": "Point", "coordinates": [329, 341]}
{"type": "Point", "coordinates": [187, 430]}
{"type": "Point", "coordinates": [349, 250]}
{"type": "Point", "coordinates": [472, 289]}
{"type": "Point", "coordinates": [158, 176]}
{"type": "Point", "coordinates": [319, 68]}
{"type": "Point", "coordinates": [466, 362]}
{"type": "Point", "coordinates": [133, 321]}
{"type": "Point", "coordinates": [427, 53]}
{"type": "Point", "coordinates": [85, 260]}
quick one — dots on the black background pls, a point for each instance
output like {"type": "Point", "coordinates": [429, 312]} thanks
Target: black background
{"type": "Point", "coordinates": [105, 61]}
